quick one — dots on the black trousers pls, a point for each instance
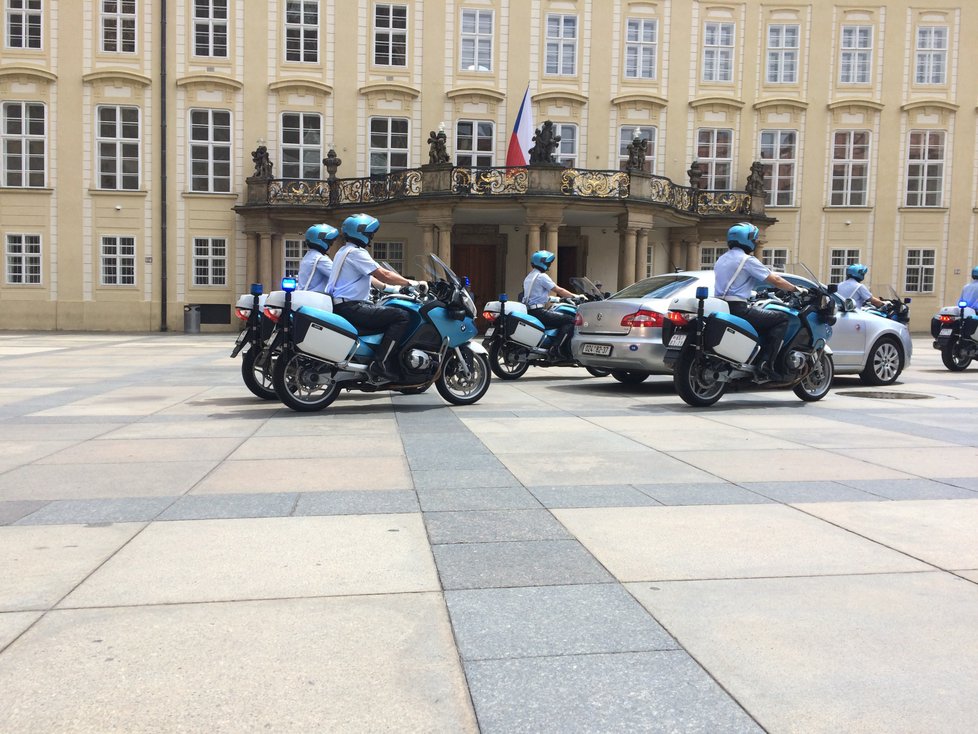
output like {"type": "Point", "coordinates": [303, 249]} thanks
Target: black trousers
{"type": "Point", "coordinates": [371, 319]}
{"type": "Point", "coordinates": [553, 320]}
{"type": "Point", "coordinates": [771, 325]}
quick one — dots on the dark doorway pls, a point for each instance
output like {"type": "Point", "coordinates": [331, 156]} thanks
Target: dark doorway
{"type": "Point", "coordinates": [567, 265]}
{"type": "Point", "coordinates": [478, 263]}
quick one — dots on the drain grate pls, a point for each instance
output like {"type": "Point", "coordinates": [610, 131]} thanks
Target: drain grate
{"type": "Point", "coordinates": [886, 395]}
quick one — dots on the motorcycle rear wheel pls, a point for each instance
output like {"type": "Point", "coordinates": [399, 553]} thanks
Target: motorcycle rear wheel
{"type": "Point", "coordinates": [695, 381]}
{"type": "Point", "coordinates": [296, 381]}
{"type": "Point", "coordinates": [257, 378]}
{"type": "Point", "coordinates": [953, 357]}
{"type": "Point", "coordinates": [817, 383]}
{"type": "Point", "coordinates": [502, 360]}
{"type": "Point", "coordinates": [458, 388]}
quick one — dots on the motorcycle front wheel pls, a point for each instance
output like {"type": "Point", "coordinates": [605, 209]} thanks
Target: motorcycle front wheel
{"type": "Point", "coordinates": [258, 377]}
{"type": "Point", "coordinates": [504, 359]}
{"type": "Point", "coordinates": [459, 388]}
{"type": "Point", "coordinates": [954, 357]}
{"type": "Point", "coordinates": [298, 383]}
{"type": "Point", "coordinates": [696, 380]}
{"type": "Point", "coordinates": [815, 385]}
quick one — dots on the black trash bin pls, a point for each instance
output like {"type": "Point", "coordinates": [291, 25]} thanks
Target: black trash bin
{"type": "Point", "coordinates": [191, 318]}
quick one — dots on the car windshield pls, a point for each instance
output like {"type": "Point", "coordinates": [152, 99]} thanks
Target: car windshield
{"type": "Point", "coordinates": [658, 286]}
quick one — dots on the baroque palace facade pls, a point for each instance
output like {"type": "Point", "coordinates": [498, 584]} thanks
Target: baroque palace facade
{"type": "Point", "coordinates": [161, 153]}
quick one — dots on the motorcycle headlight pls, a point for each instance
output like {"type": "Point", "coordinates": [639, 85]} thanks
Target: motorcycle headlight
{"type": "Point", "coordinates": [468, 303]}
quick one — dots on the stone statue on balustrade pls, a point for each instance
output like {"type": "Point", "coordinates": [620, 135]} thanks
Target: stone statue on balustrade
{"type": "Point", "coordinates": [263, 164]}
{"type": "Point", "coordinates": [695, 174]}
{"type": "Point", "coordinates": [637, 151]}
{"type": "Point", "coordinates": [438, 149]}
{"type": "Point", "coordinates": [755, 180]}
{"type": "Point", "coordinates": [545, 143]}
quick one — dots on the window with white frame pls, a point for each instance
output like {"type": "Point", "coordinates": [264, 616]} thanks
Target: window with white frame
{"type": "Point", "coordinates": [474, 143]}
{"type": "Point", "coordinates": [210, 260]}
{"type": "Point", "coordinates": [22, 26]}
{"type": "Point", "coordinates": [302, 147]}
{"type": "Point", "coordinates": [920, 270]}
{"type": "Point", "coordinates": [641, 37]}
{"type": "Point", "coordinates": [931, 55]}
{"type": "Point", "coordinates": [839, 260]}
{"type": "Point", "coordinates": [476, 40]}
{"type": "Point", "coordinates": [709, 255]}
{"type": "Point", "coordinates": [211, 28]}
{"type": "Point", "coordinates": [23, 258]}
{"type": "Point", "coordinates": [718, 48]}
{"type": "Point", "coordinates": [856, 54]}
{"type": "Point", "coordinates": [925, 168]}
{"type": "Point", "coordinates": [714, 152]}
{"type": "Point", "coordinates": [24, 141]}
{"type": "Point", "coordinates": [119, 26]}
{"type": "Point", "coordinates": [292, 256]}
{"type": "Point", "coordinates": [775, 258]}
{"type": "Point", "coordinates": [628, 133]}
{"type": "Point", "coordinates": [850, 168]}
{"type": "Point", "coordinates": [566, 153]}
{"type": "Point", "coordinates": [302, 31]}
{"type": "Point", "coordinates": [118, 260]}
{"type": "Point", "coordinates": [117, 140]}
{"type": "Point", "coordinates": [390, 35]}
{"type": "Point", "coordinates": [649, 260]}
{"type": "Point", "coordinates": [388, 144]}
{"type": "Point", "coordinates": [210, 151]}
{"type": "Point", "coordinates": [390, 252]}
{"type": "Point", "coordinates": [782, 53]}
{"type": "Point", "coordinates": [779, 151]}
{"type": "Point", "coordinates": [561, 44]}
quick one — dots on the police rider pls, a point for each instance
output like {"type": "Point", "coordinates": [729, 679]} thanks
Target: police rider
{"type": "Point", "coordinates": [349, 286]}
{"type": "Point", "coordinates": [315, 266]}
{"type": "Point", "coordinates": [969, 293]}
{"type": "Point", "coordinates": [852, 287]}
{"type": "Point", "coordinates": [537, 287]}
{"type": "Point", "coordinates": [736, 271]}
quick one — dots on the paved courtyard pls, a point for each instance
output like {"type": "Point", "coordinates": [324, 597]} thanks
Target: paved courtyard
{"type": "Point", "coordinates": [570, 554]}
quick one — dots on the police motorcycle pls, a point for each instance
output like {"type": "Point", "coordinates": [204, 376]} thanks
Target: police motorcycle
{"type": "Point", "coordinates": [517, 341]}
{"type": "Point", "coordinates": [257, 378]}
{"type": "Point", "coordinates": [893, 308]}
{"type": "Point", "coordinates": [323, 353]}
{"type": "Point", "coordinates": [709, 349]}
{"type": "Point", "coordinates": [953, 329]}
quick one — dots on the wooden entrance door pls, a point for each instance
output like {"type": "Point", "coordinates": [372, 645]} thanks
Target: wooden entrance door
{"type": "Point", "coordinates": [478, 263]}
{"type": "Point", "coordinates": [566, 265]}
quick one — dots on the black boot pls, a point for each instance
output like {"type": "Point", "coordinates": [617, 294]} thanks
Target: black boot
{"type": "Point", "coordinates": [381, 368]}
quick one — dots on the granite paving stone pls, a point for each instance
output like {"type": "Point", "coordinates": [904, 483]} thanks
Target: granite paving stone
{"type": "Point", "coordinates": [11, 512]}
{"type": "Point", "coordinates": [507, 497]}
{"type": "Point", "coordinates": [214, 506]}
{"type": "Point", "coordinates": [68, 512]}
{"type": "Point", "coordinates": [812, 491]}
{"type": "Point", "coordinates": [356, 502]}
{"type": "Point", "coordinates": [89, 481]}
{"type": "Point", "coordinates": [912, 489]}
{"type": "Point", "coordinates": [485, 526]}
{"type": "Point", "coordinates": [714, 493]}
{"type": "Point", "coordinates": [598, 495]}
{"type": "Point", "coordinates": [463, 477]}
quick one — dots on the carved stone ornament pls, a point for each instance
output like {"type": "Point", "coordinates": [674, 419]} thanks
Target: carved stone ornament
{"type": "Point", "coordinates": [263, 164]}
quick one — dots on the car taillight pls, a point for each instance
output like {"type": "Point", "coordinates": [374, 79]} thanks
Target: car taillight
{"type": "Point", "coordinates": [242, 313]}
{"type": "Point", "coordinates": [489, 316]}
{"type": "Point", "coordinates": [946, 319]}
{"type": "Point", "coordinates": [578, 319]}
{"type": "Point", "coordinates": [642, 319]}
{"type": "Point", "coordinates": [272, 313]}
{"type": "Point", "coordinates": [678, 317]}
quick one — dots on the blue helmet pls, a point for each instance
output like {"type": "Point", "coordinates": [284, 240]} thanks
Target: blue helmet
{"type": "Point", "coordinates": [321, 236]}
{"type": "Point", "coordinates": [743, 235]}
{"type": "Point", "coordinates": [542, 260]}
{"type": "Point", "coordinates": [359, 229]}
{"type": "Point", "coordinates": [974, 272]}
{"type": "Point", "coordinates": [857, 271]}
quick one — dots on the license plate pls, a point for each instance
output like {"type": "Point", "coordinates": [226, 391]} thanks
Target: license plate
{"type": "Point", "coordinates": [490, 331]}
{"type": "Point", "coordinates": [945, 332]}
{"type": "Point", "coordinates": [677, 340]}
{"type": "Point", "coordinates": [599, 350]}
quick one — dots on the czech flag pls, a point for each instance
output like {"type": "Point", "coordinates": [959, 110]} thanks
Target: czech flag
{"type": "Point", "coordinates": [521, 140]}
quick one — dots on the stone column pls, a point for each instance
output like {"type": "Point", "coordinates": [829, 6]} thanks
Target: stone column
{"type": "Point", "coordinates": [532, 241]}
{"type": "Point", "coordinates": [626, 256]}
{"type": "Point", "coordinates": [552, 242]}
{"type": "Point", "coordinates": [428, 238]}
{"type": "Point", "coordinates": [445, 244]}
{"type": "Point", "coordinates": [251, 258]}
{"type": "Point", "coordinates": [265, 260]}
{"type": "Point", "coordinates": [641, 254]}
{"type": "Point", "coordinates": [278, 258]}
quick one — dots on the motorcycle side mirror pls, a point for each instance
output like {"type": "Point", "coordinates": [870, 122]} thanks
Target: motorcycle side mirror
{"type": "Point", "coordinates": [849, 304]}
{"type": "Point", "coordinates": [607, 294]}
{"type": "Point", "coordinates": [702, 292]}
{"type": "Point", "coordinates": [833, 287]}
{"type": "Point", "coordinates": [256, 289]}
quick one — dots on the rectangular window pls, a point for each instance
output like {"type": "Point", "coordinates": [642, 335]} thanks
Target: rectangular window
{"type": "Point", "coordinates": [776, 258]}
{"type": "Point", "coordinates": [931, 55]}
{"type": "Point", "coordinates": [561, 45]}
{"type": "Point", "coordinates": [476, 41]}
{"type": "Point", "coordinates": [640, 48]}
{"type": "Point", "coordinates": [474, 143]}
{"type": "Point", "coordinates": [118, 261]}
{"type": "Point", "coordinates": [211, 28]}
{"type": "Point", "coordinates": [210, 261]}
{"type": "Point", "coordinates": [117, 141]}
{"type": "Point", "coordinates": [23, 259]}
{"type": "Point", "coordinates": [839, 260]}
{"type": "Point", "coordinates": [390, 252]}
{"type": "Point", "coordinates": [210, 151]}
{"type": "Point", "coordinates": [302, 31]}
{"type": "Point", "coordinates": [850, 168]}
{"type": "Point", "coordinates": [778, 156]}
{"type": "Point", "coordinates": [718, 48]}
{"type": "Point", "coordinates": [566, 153]}
{"type": "Point", "coordinates": [390, 35]}
{"type": "Point", "coordinates": [119, 26]}
{"type": "Point", "coordinates": [709, 255]}
{"type": "Point", "coordinates": [627, 133]}
{"type": "Point", "coordinates": [388, 144]}
{"type": "Point", "coordinates": [302, 147]}
{"type": "Point", "coordinates": [292, 253]}
{"type": "Point", "coordinates": [920, 271]}
{"type": "Point", "coordinates": [782, 54]}
{"type": "Point", "coordinates": [22, 27]}
{"type": "Point", "coordinates": [24, 140]}
{"type": "Point", "coordinates": [925, 168]}
{"type": "Point", "coordinates": [856, 54]}
{"type": "Point", "coordinates": [714, 151]}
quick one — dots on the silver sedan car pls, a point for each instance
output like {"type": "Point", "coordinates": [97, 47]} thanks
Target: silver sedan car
{"type": "Point", "coordinates": [624, 333]}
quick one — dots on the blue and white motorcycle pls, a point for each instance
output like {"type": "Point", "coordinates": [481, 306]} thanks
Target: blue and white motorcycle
{"type": "Point", "coordinates": [709, 349]}
{"type": "Point", "coordinates": [323, 353]}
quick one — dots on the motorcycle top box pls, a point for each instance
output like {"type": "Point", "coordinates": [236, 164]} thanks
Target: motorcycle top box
{"type": "Point", "coordinates": [324, 335]}
{"type": "Point", "coordinates": [313, 299]}
{"type": "Point", "coordinates": [730, 337]}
